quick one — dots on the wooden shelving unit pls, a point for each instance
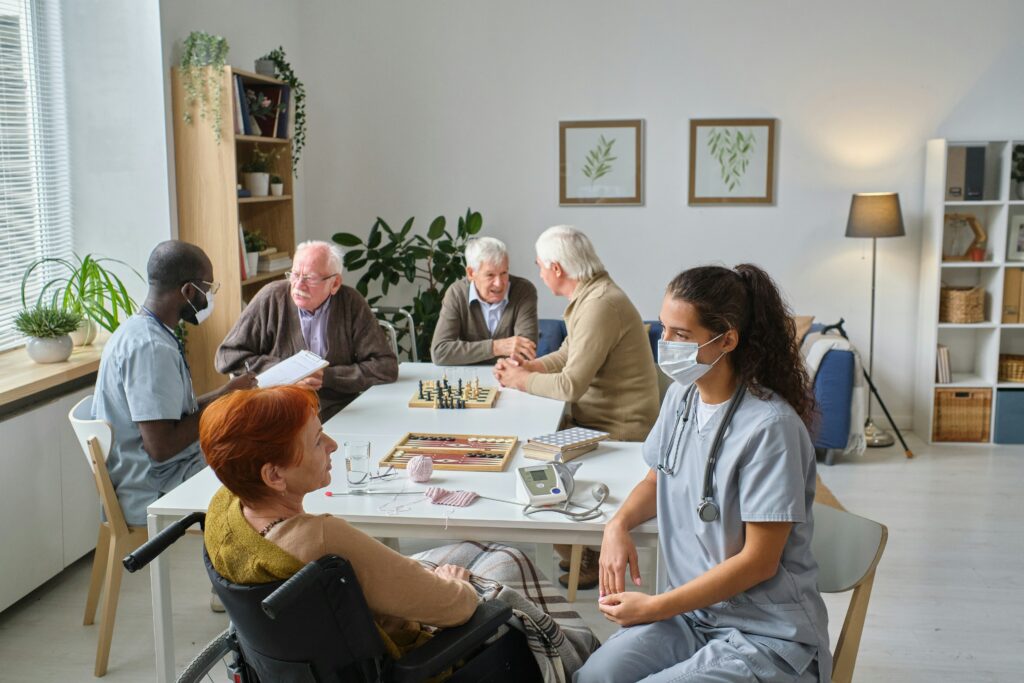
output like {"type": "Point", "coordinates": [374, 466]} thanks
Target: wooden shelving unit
{"type": "Point", "coordinates": [974, 348]}
{"type": "Point", "coordinates": [210, 210]}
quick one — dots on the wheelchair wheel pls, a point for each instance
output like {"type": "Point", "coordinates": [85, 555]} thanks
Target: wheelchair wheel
{"type": "Point", "coordinates": [218, 654]}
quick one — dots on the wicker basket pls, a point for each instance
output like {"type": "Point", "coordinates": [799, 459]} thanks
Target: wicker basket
{"type": "Point", "coordinates": [962, 305]}
{"type": "Point", "coordinates": [962, 415]}
{"type": "Point", "coordinates": [1011, 368]}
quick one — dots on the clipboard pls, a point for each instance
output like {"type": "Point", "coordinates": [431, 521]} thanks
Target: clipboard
{"type": "Point", "coordinates": [291, 370]}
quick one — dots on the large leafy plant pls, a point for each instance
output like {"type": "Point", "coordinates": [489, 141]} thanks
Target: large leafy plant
{"type": "Point", "coordinates": [432, 262]}
{"type": "Point", "coordinates": [298, 95]}
{"type": "Point", "coordinates": [202, 61]}
{"type": "Point", "coordinates": [83, 285]}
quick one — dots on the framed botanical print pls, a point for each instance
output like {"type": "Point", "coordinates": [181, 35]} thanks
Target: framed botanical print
{"type": "Point", "coordinates": [601, 162]}
{"type": "Point", "coordinates": [732, 161]}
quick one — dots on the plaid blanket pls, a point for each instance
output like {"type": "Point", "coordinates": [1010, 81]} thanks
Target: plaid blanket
{"type": "Point", "coordinates": [558, 637]}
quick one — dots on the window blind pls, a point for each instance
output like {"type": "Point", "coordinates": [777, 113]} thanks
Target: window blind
{"type": "Point", "coordinates": [35, 200]}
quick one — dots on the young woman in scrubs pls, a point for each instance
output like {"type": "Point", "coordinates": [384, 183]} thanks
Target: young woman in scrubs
{"type": "Point", "coordinates": [738, 598]}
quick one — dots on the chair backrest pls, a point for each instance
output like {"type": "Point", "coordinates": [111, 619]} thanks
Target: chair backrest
{"type": "Point", "coordinates": [95, 437]}
{"type": "Point", "coordinates": [326, 633]}
{"type": "Point", "coordinates": [398, 313]}
{"type": "Point", "coordinates": [847, 549]}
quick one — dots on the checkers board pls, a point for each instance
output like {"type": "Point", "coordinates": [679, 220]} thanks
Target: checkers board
{"type": "Point", "coordinates": [464, 452]}
{"type": "Point", "coordinates": [448, 396]}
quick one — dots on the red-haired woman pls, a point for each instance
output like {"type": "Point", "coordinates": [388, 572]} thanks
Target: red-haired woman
{"type": "Point", "coordinates": [269, 450]}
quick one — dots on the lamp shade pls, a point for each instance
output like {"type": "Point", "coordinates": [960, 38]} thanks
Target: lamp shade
{"type": "Point", "coordinates": [875, 214]}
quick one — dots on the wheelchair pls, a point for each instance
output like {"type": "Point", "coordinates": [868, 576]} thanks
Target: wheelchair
{"type": "Point", "coordinates": [316, 627]}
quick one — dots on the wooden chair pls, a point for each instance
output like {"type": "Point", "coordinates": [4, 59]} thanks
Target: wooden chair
{"type": "Point", "coordinates": [116, 539]}
{"type": "Point", "coordinates": [847, 548]}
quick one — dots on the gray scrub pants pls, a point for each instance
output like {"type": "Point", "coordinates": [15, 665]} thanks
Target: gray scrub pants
{"type": "Point", "coordinates": [678, 649]}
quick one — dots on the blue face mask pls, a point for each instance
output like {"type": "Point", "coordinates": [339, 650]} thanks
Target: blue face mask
{"type": "Point", "coordinates": [678, 360]}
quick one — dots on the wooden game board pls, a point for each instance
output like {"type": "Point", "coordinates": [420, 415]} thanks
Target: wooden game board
{"type": "Point", "coordinates": [465, 452]}
{"type": "Point", "coordinates": [485, 398]}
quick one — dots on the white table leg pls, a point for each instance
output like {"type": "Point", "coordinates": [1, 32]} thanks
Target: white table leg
{"type": "Point", "coordinates": [163, 623]}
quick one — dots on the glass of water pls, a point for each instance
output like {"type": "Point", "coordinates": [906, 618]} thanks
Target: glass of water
{"type": "Point", "coordinates": [357, 465]}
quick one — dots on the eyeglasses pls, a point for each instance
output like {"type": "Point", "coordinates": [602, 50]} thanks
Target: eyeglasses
{"type": "Point", "coordinates": [211, 287]}
{"type": "Point", "coordinates": [310, 280]}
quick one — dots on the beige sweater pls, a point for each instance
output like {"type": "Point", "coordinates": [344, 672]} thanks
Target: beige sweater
{"type": "Point", "coordinates": [604, 367]}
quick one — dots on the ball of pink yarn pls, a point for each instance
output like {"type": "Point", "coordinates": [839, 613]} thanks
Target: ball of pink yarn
{"type": "Point", "coordinates": [420, 468]}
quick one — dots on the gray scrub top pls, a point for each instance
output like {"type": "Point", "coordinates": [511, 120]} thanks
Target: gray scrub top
{"type": "Point", "coordinates": [765, 473]}
{"type": "Point", "coordinates": [143, 377]}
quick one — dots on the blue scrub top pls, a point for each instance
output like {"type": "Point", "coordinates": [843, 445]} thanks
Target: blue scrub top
{"type": "Point", "coordinates": [765, 473]}
{"type": "Point", "coordinates": [143, 377]}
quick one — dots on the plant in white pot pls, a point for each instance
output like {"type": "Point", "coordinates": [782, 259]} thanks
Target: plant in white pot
{"type": "Point", "coordinates": [256, 171]}
{"type": "Point", "coordinates": [276, 186]}
{"type": "Point", "coordinates": [84, 285]}
{"type": "Point", "coordinates": [47, 328]}
{"type": "Point", "coordinates": [254, 244]}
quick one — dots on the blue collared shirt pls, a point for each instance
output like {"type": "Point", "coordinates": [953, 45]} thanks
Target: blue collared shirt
{"type": "Point", "coordinates": [492, 312]}
{"type": "Point", "coordinates": [314, 328]}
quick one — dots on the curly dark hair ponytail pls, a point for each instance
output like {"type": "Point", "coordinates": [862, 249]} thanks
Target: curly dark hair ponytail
{"type": "Point", "coordinates": [746, 299]}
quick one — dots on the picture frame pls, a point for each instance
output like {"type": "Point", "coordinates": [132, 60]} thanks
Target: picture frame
{"type": "Point", "coordinates": [732, 161]}
{"type": "Point", "coordinates": [601, 162]}
{"type": "Point", "coordinates": [1015, 240]}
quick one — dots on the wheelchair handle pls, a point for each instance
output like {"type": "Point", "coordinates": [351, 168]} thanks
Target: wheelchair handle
{"type": "Point", "coordinates": [282, 598]}
{"type": "Point", "coordinates": [145, 553]}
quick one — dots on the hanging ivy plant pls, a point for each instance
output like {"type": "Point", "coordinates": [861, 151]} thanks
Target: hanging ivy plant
{"type": "Point", "coordinates": [203, 85]}
{"type": "Point", "coordinates": [286, 74]}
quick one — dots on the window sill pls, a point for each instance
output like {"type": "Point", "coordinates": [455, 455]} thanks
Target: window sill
{"type": "Point", "coordinates": [22, 379]}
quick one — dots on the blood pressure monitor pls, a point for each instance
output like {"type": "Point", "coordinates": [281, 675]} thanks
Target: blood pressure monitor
{"type": "Point", "coordinates": [540, 485]}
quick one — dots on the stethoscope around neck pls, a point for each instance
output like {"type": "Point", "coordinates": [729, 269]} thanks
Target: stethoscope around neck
{"type": "Point", "coordinates": [707, 508]}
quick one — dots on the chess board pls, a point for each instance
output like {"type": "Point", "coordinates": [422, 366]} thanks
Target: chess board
{"type": "Point", "coordinates": [465, 452]}
{"type": "Point", "coordinates": [447, 393]}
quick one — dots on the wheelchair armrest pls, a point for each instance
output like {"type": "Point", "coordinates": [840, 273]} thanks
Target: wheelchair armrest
{"type": "Point", "coordinates": [451, 644]}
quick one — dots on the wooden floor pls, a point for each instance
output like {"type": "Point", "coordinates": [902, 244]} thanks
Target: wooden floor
{"type": "Point", "coordinates": [948, 603]}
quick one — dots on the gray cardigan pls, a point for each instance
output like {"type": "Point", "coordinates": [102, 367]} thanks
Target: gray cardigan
{"type": "Point", "coordinates": [461, 336]}
{"type": "Point", "coordinates": [268, 331]}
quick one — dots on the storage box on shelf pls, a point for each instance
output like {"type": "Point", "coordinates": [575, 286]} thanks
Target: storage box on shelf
{"type": "Point", "coordinates": [971, 291]}
{"type": "Point", "coordinates": [210, 210]}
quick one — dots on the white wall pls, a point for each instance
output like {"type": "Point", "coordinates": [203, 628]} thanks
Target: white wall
{"type": "Point", "coordinates": [115, 126]}
{"type": "Point", "coordinates": [425, 108]}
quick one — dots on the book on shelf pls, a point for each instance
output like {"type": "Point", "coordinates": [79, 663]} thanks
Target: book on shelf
{"type": "Point", "coordinates": [275, 261]}
{"type": "Point", "coordinates": [563, 445]}
{"type": "Point", "coordinates": [943, 375]}
{"type": "Point", "coordinates": [243, 106]}
{"type": "Point", "coordinates": [281, 125]}
{"type": "Point", "coordinates": [1013, 295]}
{"type": "Point", "coordinates": [243, 266]}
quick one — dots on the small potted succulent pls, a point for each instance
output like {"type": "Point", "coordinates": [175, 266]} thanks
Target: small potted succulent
{"type": "Point", "coordinates": [256, 172]}
{"type": "Point", "coordinates": [276, 186]}
{"type": "Point", "coordinates": [48, 329]}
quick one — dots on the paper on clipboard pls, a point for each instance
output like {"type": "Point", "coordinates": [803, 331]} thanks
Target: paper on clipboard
{"type": "Point", "coordinates": [291, 370]}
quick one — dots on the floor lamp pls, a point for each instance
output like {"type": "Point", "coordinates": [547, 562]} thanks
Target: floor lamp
{"type": "Point", "coordinates": [874, 215]}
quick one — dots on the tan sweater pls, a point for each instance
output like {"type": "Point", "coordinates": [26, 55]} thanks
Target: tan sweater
{"type": "Point", "coordinates": [461, 336]}
{"type": "Point", "coordinates": [399, 590]}
{"type": "Point", "coordinates": [604, 367]}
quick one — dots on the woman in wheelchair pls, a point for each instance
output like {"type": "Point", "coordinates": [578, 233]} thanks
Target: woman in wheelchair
{"type": "Point", "coordinates": [269, 450]}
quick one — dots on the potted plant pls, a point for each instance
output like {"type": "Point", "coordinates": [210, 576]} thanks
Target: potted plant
{"type": "Point", "coordinates": [435, 261]}
{"type": "Point", "coordinates": [83, 285]}
{"type": "Point", "coordinates": [202, 63]}
{"type": "Point", "coordinates": [298, 99]}
{"type": "Point", "coordinates": [254, 244]}
{"type": "Point", "coordinates": [256, 172]}
{"type": "Point", "coordinates": [1017, 170]}
{"type": "Point", "coordinates": [276, 186]}
{"type": "Point", "coordinates": [263, 112]}
{"type": "Point", "coordinates": [47, 327]}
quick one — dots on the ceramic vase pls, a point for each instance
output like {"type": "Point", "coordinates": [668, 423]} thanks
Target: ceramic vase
{"type": "Point", "coordinates": [49, 350]}
{"type": "Point", "coordinates": [257, 183]}
{"type": "Point", "coordinates": [85, 334]}
{"type": "Point", "coordinates": [276, 189]}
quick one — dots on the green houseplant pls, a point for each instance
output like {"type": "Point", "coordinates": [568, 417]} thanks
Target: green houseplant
{"type": "Point", "coordinates": [202, 62]}
{"type": "Point", "coordinates": [256, 171]}
{"type": "Point", "coordinates": [287, 74]}
{"type": "Point", "coordinates": [48, 328]}
{"type": "Point", "coordinates": [1017, 170]}
{"type": "Point", "coordinates": [432, 262]}
{"type": "Point", "coordinates": [83, 285]}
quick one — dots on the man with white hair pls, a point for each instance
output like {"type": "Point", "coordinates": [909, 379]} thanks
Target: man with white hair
{"type": "Point", "coordinates": [604, 368]}
{"type": "Point", "coordinates": [490, 314]}
{"type": "Point", "coordinates": [313, 310]}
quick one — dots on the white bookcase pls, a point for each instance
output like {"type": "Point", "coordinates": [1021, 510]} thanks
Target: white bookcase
{"type": "Point", "coordinates": [974, 348]}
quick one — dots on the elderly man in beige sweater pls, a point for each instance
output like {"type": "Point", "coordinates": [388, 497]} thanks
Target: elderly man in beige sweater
{"type": "Point", "coordinates": [604, 368]}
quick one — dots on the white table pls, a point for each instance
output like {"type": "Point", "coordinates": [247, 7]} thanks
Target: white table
{"type": "Point", "coordinates": [617, 464]}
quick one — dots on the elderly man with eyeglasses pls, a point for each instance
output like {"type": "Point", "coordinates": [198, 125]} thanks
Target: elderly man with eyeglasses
{"type": "Point", "coordinates": [313, 310]}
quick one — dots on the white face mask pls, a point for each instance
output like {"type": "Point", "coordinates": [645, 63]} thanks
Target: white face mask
{"type": "Point", "coordinates": [201, 314]}
{"type": "Point", "coordinates": [678, 360]}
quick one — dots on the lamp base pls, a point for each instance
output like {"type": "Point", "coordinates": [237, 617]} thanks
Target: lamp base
{"type": "Point", "coordinates": [875, 436]}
